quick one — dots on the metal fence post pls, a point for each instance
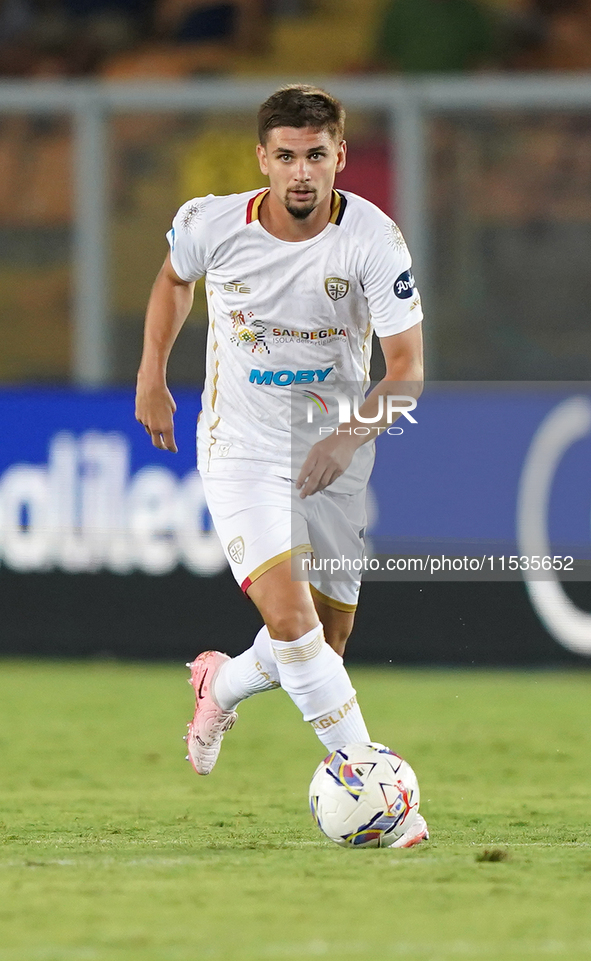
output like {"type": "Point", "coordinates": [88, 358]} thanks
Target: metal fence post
{"type": "Point", "coordinates": [411, 190]}
{"type": "Point", "coordinates": [91, 360]}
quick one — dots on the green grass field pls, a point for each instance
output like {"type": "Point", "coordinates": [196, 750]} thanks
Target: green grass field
{"type": "Point", "coordinates": [112, 849]}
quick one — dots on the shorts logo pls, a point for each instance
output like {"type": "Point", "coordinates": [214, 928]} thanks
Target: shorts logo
{"type": "Point", "coordinates": [236, 287]}
{"type": "Point", "coordinates": [336, 287]}
{"type": "Point", "coordinates": [236, 550]}
{"type": "Point", "coordinates": [404, 285]}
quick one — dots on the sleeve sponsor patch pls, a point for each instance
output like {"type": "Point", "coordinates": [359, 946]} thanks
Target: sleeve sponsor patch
{"type": "Point", "coordinates": [404, 285]}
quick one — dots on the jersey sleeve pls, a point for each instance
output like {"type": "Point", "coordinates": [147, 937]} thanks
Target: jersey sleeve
{"type": "Point", "coordinates": [188, 240]}
{"type": "Point", "coordinates": [389, 285]}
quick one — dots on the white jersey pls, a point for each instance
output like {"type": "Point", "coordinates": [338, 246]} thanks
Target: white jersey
{"type": "Point", "coordinates": [287, 317]}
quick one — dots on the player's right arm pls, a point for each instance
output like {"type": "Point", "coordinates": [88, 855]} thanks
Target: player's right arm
{"type": "Point", "coordinates": [168, 308]}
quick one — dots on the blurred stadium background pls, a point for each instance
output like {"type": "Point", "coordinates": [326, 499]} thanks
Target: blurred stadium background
{"type": "Point", "coordinates": [470, 123]}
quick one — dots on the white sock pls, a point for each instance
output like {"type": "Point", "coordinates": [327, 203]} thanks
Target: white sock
{"type": "Point", "coordinates": [250, 673]}
{"type": "Point", "coordinates": [343, 725]}
{"type": "Point", "coordinates": [315, 678]}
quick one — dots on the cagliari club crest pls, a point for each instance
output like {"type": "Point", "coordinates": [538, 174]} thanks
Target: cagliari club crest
{"type": "Point", "coordinates": [336, 287]}
{"type": "Point", "coordinates": [236, 550]}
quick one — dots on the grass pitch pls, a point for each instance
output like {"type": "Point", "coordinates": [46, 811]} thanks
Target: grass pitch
{"type": "Point", "coordinates": [112, 849]}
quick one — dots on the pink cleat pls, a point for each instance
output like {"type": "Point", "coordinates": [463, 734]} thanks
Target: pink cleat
{"type": "Point", "coordinates": [210, 723]}
{"type": "Point", "coordinates": [416, 833]}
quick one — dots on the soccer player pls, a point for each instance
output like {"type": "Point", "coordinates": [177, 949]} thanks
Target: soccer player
{"type": "Point", "coordinates": [297, 277]}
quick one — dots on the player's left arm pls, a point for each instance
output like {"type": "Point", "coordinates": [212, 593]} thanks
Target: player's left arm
{"type": "Point", "coordinates": [330, 457]}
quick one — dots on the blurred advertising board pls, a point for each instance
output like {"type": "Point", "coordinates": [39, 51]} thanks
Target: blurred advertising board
{"type": "Point", "coordinates": [498, 474]}
{"type": "Point", "coordinates": [82, 489]}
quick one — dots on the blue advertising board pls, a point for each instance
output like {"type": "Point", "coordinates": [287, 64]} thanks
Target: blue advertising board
{"type": "Point", "coordinates": [497, 471]}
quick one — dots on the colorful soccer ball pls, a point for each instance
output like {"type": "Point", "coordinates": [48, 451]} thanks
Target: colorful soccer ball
{"type": "Point", "coordinates": [364, 795]}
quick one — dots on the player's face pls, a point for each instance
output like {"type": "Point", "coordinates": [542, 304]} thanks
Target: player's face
{"type": "Point", "coordinates": [301, 163]}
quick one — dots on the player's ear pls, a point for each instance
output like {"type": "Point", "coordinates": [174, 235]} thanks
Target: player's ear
{"type": "Point", "coordinates": [262, 155]}
{"type": "Point", "coordinates": [342, 156]}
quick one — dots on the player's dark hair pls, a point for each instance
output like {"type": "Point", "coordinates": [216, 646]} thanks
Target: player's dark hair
{"type": "Point", "coordinates": [301, 105]}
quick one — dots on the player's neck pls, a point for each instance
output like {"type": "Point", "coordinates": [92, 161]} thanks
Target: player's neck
{"type": "Point", "coordinates": [277, 220]}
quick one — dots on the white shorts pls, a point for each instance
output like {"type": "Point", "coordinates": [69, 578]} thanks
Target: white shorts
{"type": "Point", "coordinates": [261, 521]}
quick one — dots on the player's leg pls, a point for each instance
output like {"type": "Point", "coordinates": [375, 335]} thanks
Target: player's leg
{"type": "Point", "coordinates": [310, 671]}
{"type": "Point", "coordinates": [262, 530]}
{"type": "Point", "coordinates": [255, 670]}
{"type": "Point", "coordinates": [221, 683]}
{"type": "Point", "coordinates": [336, 525]}
{"type": "Point", "coordinates": [337, 624]}
{"type": "Point", "coordinates": [252, 516]}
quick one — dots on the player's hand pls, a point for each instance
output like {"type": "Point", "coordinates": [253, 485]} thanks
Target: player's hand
{"type": "Point", "coordinates": [327, 460]}
{"type": "Point", "coordinates": [154, 409]}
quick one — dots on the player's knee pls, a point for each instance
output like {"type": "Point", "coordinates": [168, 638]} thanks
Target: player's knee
{"type": "Point", "coordinates": [289, 625]}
